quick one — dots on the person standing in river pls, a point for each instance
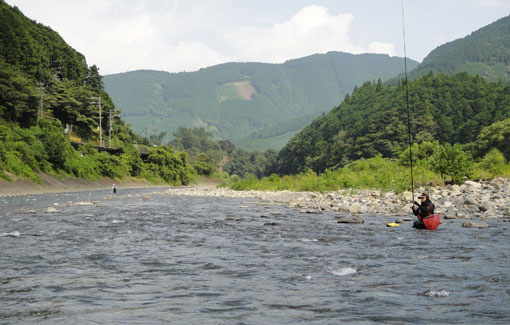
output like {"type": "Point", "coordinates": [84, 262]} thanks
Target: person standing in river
{"type": "Point", "coordinates": [114, 188]}
{"type": "Point", "coordinates": [422, 210]}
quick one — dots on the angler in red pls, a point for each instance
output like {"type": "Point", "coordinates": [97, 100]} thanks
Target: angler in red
{"type": "Point", "coordinates": [422, 210]}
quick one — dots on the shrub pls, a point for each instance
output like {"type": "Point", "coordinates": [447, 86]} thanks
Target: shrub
{"type": "Point", "coordinates": [452, 161]}
{"type": "Point", "coordinates": [494, 162]}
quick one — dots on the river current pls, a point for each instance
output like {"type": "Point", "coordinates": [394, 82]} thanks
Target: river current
{"type": "Point", "coordinates": [145, 257]}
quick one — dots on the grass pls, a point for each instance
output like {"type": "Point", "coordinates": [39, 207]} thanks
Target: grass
{"type": "Point", "coordinates": [373, 173]}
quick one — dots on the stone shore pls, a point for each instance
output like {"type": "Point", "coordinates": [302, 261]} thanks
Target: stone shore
{"type": "Point", "coordinates": [473, 199]}
{"type": "Point", "coordinates": [479, 200]}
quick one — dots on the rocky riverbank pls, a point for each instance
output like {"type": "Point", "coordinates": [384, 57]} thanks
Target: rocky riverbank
{"type": "Point", "coordinates": [473, 199]}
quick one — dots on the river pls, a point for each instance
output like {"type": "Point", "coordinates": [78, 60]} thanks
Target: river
{"type": "Point", "coordinates": [147, 257]}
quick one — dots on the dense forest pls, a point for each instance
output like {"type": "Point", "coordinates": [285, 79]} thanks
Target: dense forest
{"type": "Point", "coordinates": [486, 52]}
{"type": "Point", "coordinates": [56, 117]}
{"type": "Point", "coordinates": [373, 121]}
{"type": "Point", "coordinates": [48, 96]}
{"type": "Point", "coordinates": [253, 105]}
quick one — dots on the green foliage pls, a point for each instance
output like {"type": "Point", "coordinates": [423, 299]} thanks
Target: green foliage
{"type": "Point", "coordinates": [46, 85]}
{"type": "Point", "coordinates": [204, 164]}
{"type": "Point", "coordinates": [419, 152]}
{"type": "Point", "coordinates": [14, 163]}
{"type": "Point", "coordinates": [171, 166]}
{"type": "Point", "coordinates": [494, 162]}
{"type": "Point", "coordinates": [496, 135]}
{"type": "Point", "coordinates": [485, 52]}
{"type": "Point", "coordinates": [132, 160]}
{"type": "Point", "coordinates": [287, 96]}
{"type": "Point", "coordinates": [257, 163]}
{"type": "Point", "coordinates": [37, 49]}
{"type": "Point", "coordinates": [452, 161]}
{"type": "Point", "coordinates": [56, 145]}
{"type": "Point", "coordinates": [377, 172]}
{"type": "Point", "coordinates": [373, 120]}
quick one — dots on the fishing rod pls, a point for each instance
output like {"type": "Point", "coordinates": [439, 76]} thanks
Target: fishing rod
{"type": "Point", "coordinates": [407, 101]}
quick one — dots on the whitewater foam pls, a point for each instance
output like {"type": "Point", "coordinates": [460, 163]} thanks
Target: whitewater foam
{"type": "Point", "coordinates": [10, 234]}
{"type": "Point", "coordinates": [342, 271]}
{"type": "Point", "coordinates": [438, 293]}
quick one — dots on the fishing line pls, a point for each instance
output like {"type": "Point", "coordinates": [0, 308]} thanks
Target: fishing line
{"type": "Point", "coordinates": [407, 101]}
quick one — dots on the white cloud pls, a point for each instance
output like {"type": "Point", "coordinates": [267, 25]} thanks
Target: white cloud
{"type": "Point", "coordinates": [312, 30]}
{"type": "Point", "coordinates": [178, 35]}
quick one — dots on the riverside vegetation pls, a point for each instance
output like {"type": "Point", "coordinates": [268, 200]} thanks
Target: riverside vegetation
{"type": "Point", "coordinates": [460, 125]}
{"type": "Point", "coordinates": [45, 85]}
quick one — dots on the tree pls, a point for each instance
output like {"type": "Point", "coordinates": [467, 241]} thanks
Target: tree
{"type": "Point", "coordinates": [496, 135]}
{"type": "Point", "coordinates": [452, 161]}
{"type": "Point", "coordinates": [494, 162]}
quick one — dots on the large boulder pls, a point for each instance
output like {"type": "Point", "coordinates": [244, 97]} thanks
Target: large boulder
{"type": "Point", "coordinates": [351, 219]}
{"type": "Point", "coordinates": [471, 186]}
{"type": "Point", "coordinates": [472, 224]}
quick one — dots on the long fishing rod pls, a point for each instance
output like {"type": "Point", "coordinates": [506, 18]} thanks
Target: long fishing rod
{"type": "Point", "coordinates": [407, 101]}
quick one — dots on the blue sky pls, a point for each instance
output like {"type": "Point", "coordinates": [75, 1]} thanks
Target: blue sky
{"type": "Point", "coordinates": [186, 35]}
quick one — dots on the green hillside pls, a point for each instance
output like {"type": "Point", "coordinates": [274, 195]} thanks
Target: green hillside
{"type": "Point", "coordinates": [373, 121]}
{"type": "Point", "coordinates": [250, 104]}
{"type": "Point", "coordinates": [48, 97]}
{"type": "Point", "coordinates": [485, 52]}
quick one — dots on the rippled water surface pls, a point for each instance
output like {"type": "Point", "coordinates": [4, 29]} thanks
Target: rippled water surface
{"type": "Point", "coordinates": [144, 257]}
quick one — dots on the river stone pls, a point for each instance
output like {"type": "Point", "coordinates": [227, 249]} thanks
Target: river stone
{"type": "Point", "coordinates": [473, 184]}
{"type": "Point", "coordinates": [313, 211]}
{"type": "Point", "coordinates": [406, 196]}
{"type": "Point", "coordinates": [450, 216]}
{"type": "Point", "coordinates": [363, 209]}
{"type": "Point", "coordinates": [461, 214]}
{"type": "Point", "coordinates": [351, 219]}
{"type": "Point", "coordinates": [265, 215]}
{"type": "Point", "coordinates": [353, 208]}
{"type": "Point", "coordinates": [472, 224]}
{"type": "Point", "coordinates": [469, 201]}
{"type": "Point", "coordinates": [455, 193]}
{"type": "Point", "coordinates": [455, 190]}
{"type": "Point", "coordinates": [51, 210]}
{"type": "Point", "coordinates": [27, 212]}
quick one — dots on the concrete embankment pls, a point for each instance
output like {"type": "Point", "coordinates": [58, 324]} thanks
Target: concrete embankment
{"type": "Point", "coordinates": [53, 184]}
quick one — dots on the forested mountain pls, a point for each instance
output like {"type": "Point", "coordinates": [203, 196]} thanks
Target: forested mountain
{"type": "Point", "coordinates": [485, 52]}
{"type": "Point", "coordinates": [47, 89]}
{"type": "Point", "coordinates": [373, 120]}
{"type": "Point", "coordinates": [255, 105]}
{"type": "Point", "coordinates": [42, 75]}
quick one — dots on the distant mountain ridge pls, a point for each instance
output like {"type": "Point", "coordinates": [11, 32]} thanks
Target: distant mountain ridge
{"type": "Point", "coordinates": [254, 105]}
{"type": "Point", "coordinates": [485, 52]}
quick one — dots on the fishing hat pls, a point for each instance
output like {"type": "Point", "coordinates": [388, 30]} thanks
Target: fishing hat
{"type": "Point", "coordinates": [425, 195]}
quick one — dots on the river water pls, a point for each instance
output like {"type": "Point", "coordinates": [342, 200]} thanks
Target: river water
{"type": "Point", "coordinates": [146, 257]}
